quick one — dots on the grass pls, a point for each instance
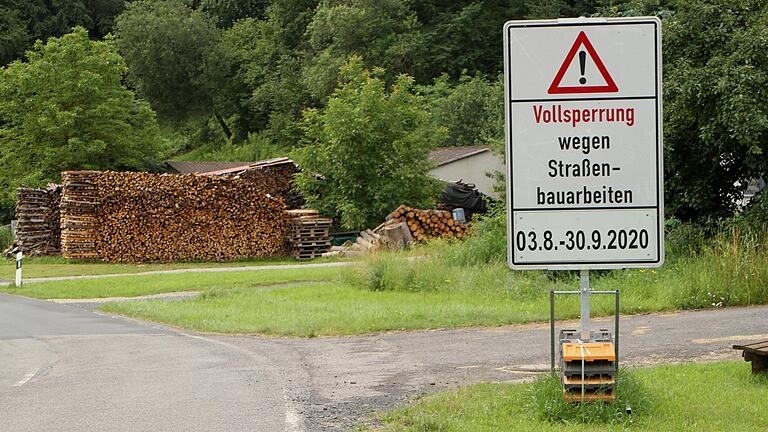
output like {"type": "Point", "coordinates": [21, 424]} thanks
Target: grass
{"type": "Point", "coordinates": [731, 272]}
{"type": "Point", "coordinates": [548, 403]}
{"type": "Point", "coordinates": [702, 397]}
{"type": "Point", "coordinates": [389, 293]}
{"type": "Point", "coordinates": [131, 286]}
{"type": "Point", "coordinates": [329, 308]}
{"type": "Point", "coordinates": [41, 267]}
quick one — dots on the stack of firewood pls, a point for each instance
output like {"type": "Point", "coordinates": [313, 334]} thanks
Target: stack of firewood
{"type": "Point", "coordinates": [79, 214]}
{"type": "Point", "coordinates": [139, 217]}
{"type": "Point", "coordinates": [309, 236]}
{"type": "Point", "coordinates": [427, 224]}
{"type": "Point", "coordinates": [37, 213]}
{"type": "Point", "coordinates": [277, 180]}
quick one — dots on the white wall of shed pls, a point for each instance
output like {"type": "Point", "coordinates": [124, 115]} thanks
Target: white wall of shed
{"type": "Point", "coordinates": [472, 169]}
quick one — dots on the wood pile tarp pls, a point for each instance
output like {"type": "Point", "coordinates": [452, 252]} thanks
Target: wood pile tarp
{"type": "Point", "coordinates": [139, 217]}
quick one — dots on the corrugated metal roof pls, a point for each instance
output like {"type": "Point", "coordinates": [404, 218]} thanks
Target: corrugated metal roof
{"type": "Point", "coordinates": [220, 168]}
{"type": "Point", "coordinates": [447, 155]}
{"type": "Point", "coordinates": [192, 167]}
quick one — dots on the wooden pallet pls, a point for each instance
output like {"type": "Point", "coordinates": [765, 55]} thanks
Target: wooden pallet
{"type": "Point", "coordinates": [757, 354]}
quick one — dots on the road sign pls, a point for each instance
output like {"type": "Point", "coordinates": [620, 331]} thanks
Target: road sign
{"type": "Point", "coordinates": [584, 143]}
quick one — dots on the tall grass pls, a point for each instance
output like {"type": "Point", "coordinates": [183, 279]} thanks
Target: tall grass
{"type": "Point", "coordinates": [706, 268]}
{"type": "Point", "coordinates": [548, 404]}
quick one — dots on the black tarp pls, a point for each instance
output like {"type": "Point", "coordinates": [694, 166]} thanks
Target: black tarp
{"type": "Point", "coordinates": [466, 196]}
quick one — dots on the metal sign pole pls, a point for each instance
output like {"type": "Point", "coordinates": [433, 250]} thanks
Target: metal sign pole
{"type": "Point", "coordinates": [19, 257]}
{"type": "Point", "coordinates": [585, 336]}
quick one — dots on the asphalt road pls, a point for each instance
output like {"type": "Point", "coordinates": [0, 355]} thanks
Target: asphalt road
{"type": "Point", "coordinates": [68, 369]}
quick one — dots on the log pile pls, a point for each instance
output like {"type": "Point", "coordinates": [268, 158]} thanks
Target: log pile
{"type": "Point", "coordinates": [427, 224]}
{"type": "Point", "coordinates": [79, 214]}
{"type": "Point", "coordinates": [380, 238]}
{"type": "Point", "coordinates": [277, 180]}
{"type": "Point", "coordinates": [37, 213]}
{"type": "Point", "coordinates": [140, 217]}
{"type": "Point", "coordinates": [309, 235]}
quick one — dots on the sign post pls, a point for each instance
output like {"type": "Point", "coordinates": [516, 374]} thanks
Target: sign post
{"type": "Point", "coordinates": [584, 146]}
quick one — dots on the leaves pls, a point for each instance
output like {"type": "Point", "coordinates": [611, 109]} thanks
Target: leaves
{"type": "Point", "coordinates": [716, 107]}
{"type": "Point", "coordinates": [369, 147]}
{"type": "Point", "coordinates": [66, 108]}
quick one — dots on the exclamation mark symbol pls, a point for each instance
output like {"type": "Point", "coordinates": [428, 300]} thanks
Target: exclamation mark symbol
{"type": "Point", "coordinates": [582, 64]}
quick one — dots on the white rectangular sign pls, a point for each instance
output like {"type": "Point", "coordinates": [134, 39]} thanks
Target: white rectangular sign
{"type": "Point", "coordinates": [584, 143]}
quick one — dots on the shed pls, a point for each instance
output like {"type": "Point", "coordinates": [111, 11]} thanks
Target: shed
{"type": "Point", "coordinates": [471, 164]}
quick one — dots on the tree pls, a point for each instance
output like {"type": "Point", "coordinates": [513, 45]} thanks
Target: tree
{"type": "Point", "coordinates": [715, 104]}
{"type": "Point", "coordinates": [261, 89]}
{"type": "Point", "coordinates": [367, 149]}
{"type": "Point", "coordinates": [23, 22]}
{"type": "Point", "coordinates": [227, 12]}
{"type": "Point", "coordinates": [472, 111]}
{"type": "Point", "coordinates": [167, 47]}
{"type": "Point", "coordinates": [66, 108]}
{"type": "Point", "coordinates": [464, 37]}
{"type": "Point", "coordinates": [14, 38]}
{"type": "Point", "coordinates": [385, 33]}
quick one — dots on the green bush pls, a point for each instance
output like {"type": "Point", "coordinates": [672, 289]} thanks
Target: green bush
{"type": "Point", "coordinates": [255, 148]}
{"type": "Point", "coordinates": [754, 216]}
{"type": "Point", "coordinates": [685, 239]}
{"type": "Point", "coordinates": [370, 144]}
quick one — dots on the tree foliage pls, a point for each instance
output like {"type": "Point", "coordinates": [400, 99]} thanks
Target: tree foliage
{"type": "Point", "coordinates": [227, 12]}
{"type": "Point", "coordinates": [385, 33]}
{"type": "Point", "coordinates": [367, 149]}
{"type": "Point", "coordinates": [168, 48]}
{"type": "Point", "coordinates": [67, 108]}
{"type": "Point", "coordinates": [23, 22]}
{"type": "Point", "coordinates": [471, 111]}
{"type": "Point", "coordinates": [261, 81]}
{"type": "Point", "coordinates": [716, 104]}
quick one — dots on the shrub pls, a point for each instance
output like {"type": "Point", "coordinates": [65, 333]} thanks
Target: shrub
{"type": "Point", "coordinates": [367, 150]}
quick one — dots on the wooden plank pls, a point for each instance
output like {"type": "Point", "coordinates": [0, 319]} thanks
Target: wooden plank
{"type": "Point", "coordinates": [591, 351]}
{"type": "Point", "coordinates": [589, 396]}
{"type": "Point", "coordinates": [753, 346]}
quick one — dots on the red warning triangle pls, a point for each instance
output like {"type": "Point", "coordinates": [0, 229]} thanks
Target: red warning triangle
{"type": "Point", "coordinates": [610, 85]}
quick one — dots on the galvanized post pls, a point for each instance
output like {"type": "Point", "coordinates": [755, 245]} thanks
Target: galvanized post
{"type": "Point", "coordinates": [585, 326]}
{"type": "Point", "coordinates": [552, 331]}
{"type": "Point", "coordinates": [19, 257]}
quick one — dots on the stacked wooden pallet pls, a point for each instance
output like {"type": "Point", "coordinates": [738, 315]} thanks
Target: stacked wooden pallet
{"type": "Point", "coordinates": [79, 215]}
{"type": "Point", "coordinates": [427, 224]}
{"type": "Point", "coordinates": [309, 236]}
{"type": "Point", "coordinates": [588, 369]}
{"type": "Point", "coordinates": [37, 213]}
